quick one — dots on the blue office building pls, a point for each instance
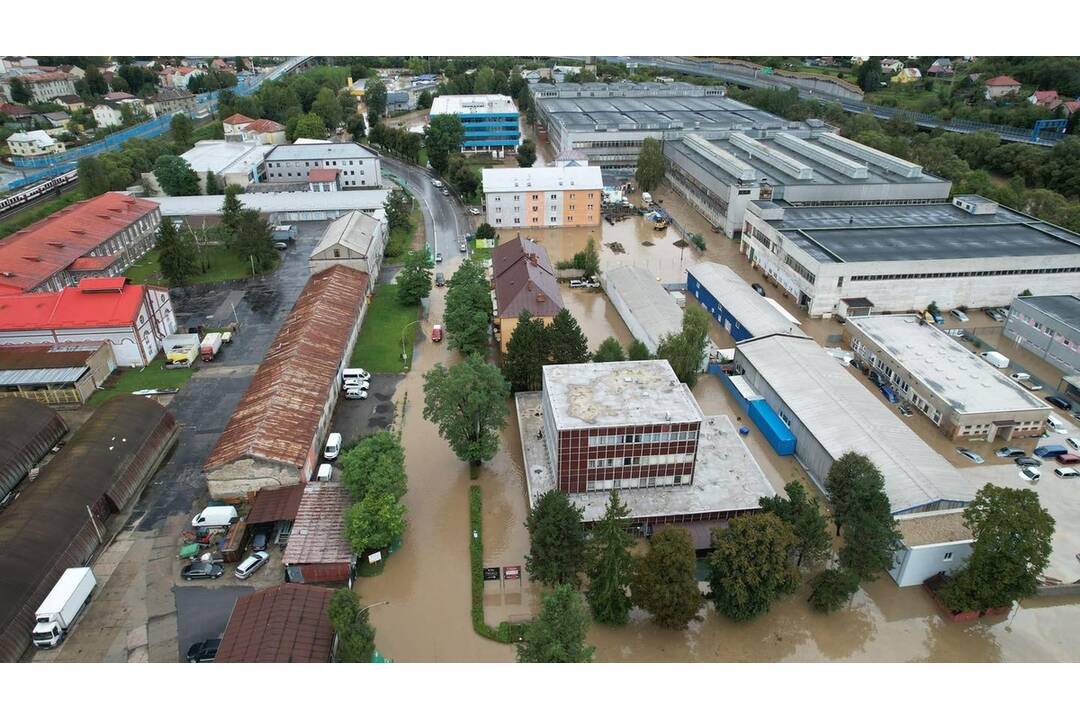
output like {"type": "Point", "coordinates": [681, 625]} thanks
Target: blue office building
{"type": "Point", "coordinates": [492, 122]}
{"type": "Point", "coordinates": [741, 310]}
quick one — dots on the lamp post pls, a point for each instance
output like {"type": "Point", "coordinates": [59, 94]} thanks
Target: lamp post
{"type": "Point", "coordinates": [404, 357]}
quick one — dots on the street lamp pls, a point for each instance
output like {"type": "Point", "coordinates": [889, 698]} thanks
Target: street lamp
{"type": "Point", "coordinates": [381, 602]}
{"type": "Point", "coordinates": [404, 357]}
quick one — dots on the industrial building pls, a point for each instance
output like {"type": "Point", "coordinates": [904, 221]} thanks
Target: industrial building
{"type": "Point", "coordinates": [524, 279]}
{"type": "Point", "coordinates": [360, 167]}
{"type": "Point", "coordinates": [277, 207]}
{"type": "Point", "coordinates": [59, 521]}
{"type": "Point", "coordinates": [720, 173]}
{"type": "Point", "coordinates": [831, 413]}
{"type": "Point", "coordinates": [284, 624]}
{"type": "Point", "coordinates": [318, 550]}
{"type": "Point", "coordinates": [356, 240]}
{"type": "Point", "coordinates": [275, 436]}
{"type": "Point", "coordinates": [649, 311]}
{"type": "Point", "coordinates": [234, 163]}
{"type": "Point", "coordinates": [968, 253]}
{"type": "Point", "coordinates": [960, 392]}
{"type": "Point", "coordinates": [60, 375]}
{"type": "Point", "coordinates": [542, 197]}
{"type": "Point", "coordinates": [491, 122]}
{"type": "Point", "coordinates": [133, 319]}
{"type": "Point", "coordinates": [1047, 326]}
{"type": "Point", "coordinates": [633, 426]}
{"type": "Point", "coordinates": [736, 305]}
{"type": "Point", "coordinates": [609, 122]}
{"type": "Point", "coordinates": [28, 430]}
{"type": "Point", "coordinates": [100, 237]}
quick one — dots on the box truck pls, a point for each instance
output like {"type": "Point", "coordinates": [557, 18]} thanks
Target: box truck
{"type": "Point", "coordinates": [210, 346]}
{"type": "Point", "coordinates": [62, 606]}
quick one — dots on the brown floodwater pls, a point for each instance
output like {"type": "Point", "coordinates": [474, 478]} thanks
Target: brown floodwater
{"type": "Point", "coordinates": [427, 580]}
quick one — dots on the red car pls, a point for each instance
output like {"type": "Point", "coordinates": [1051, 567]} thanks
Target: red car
{"type": "Point", "coordinates": [436, 333]}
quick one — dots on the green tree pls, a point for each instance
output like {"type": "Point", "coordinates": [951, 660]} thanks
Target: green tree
{"type": "Point", "coordinates": [556, 540]}
{"type": "Point", "coordinates": [93, 176]}
{"type": "Point", "coordinates": [869, 75]}
{"type": "Point", "coordinates": [376, 465]}
{"type": "Point", "coordinates": [414, 280]}
{"type": "Point", "coordinates": [20, 91]}
{"type": "Point", "coordinates": [664, 583]}
{"type": "Point", "coordinates": [443, 136]}
{"type": "Point", "coordinates": [638, 351]}
{"type": "Point", "coordinates": [327, 107]}
{"type": "Point", "coordinates": [376, 522]}
{"type": "Point", "coordinates": [468, 309]}
{"type": "Point", "coordinates": [375, 99]}
{"type": "Point", "coordinates": [862, 516]}
{"type": "Point", "coordinates": [1013, 537]}
{"type": "Point", "coordinates": [468, 404]}
{"type": "Point", "coordinates": [586, 260]}
{"type": "Point", "coordinates": [180, 128]}
{"type": "Point", "coordinates": [804, 516]}
{"type": "Point", "coordinates": [231, 208]}
{"type": "Point", "coordinates": [566, 342]}
{"type": "Point", "coordinates": [527, 352]}
{"type": "Point", "coordinates": [424, 100]}
{"type": "Point", "coordinates": [526, 154]}
{"type": "Point", "coordinates": [398, 207]}
{"type": "Point", "coordinates": [750, 565]}
{"type": "Point", "coordinates": [650, 165]}
{"type": "Point", "coordinates": [558, 633]}
{"type": "Point", "coordinates": [95, 81]}
{"type": "Point", "coordinates": [356, 636]}
{"type": "Point", "coordinates": [850, 478]}
{"type": "Point", "coordinates": [831, 588]}
{"type": "Point", "coordinates": [485, 232]}
{"type": "Point", "coordinates": [213, 187]}
{"type": "Point", "coordinates": [255, 240]}
{"type": "Point", "coordinates": [609, 351]}
{"type": "Point", "coordinates": [685, 350]}
{"type": "Point", "coordinates": [175, 176]}
{"type": "Point", "coordinates": [609, 565]}
{"type": "Point", "coordinates": [308, 125]}
{"type": "Point", "coordinates": [176, 255]}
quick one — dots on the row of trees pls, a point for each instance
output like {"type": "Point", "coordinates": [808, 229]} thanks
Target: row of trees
{"type": "Point", "coordinates": [373, 471]}
{"type": "Point", "coordinates": [535, 344]}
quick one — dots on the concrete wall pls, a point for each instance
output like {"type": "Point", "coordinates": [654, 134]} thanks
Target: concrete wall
{"type": "Point", "coordinates": [1020, 329]}
{"type": "Point", "coordinates": [913, 565]}
{"type": "Point", "coordinates": [355, 172]}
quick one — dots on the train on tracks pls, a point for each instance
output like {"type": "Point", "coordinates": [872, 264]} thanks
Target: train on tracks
{"type": "Point", "coordinates": [28, 196]}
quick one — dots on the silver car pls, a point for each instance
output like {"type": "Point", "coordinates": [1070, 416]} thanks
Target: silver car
{"type": "Point", "coordinates": [253, 562]}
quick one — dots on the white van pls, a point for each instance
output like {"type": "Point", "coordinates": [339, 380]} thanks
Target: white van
{"type": "Point", "coordinates": [326, 471]}
{"type": "Point", "coordinates": [333, 446]}
{"type": "Point", "coordinates": [995, 358]}
{"type": "Point", "coordinates": [355, 375]}
{"type": "Point", "coordinates": [215, 516]}
{"type": "Point", "coordinates": [1056, 424]}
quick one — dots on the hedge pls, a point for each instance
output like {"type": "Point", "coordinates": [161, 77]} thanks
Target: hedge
{"type": "Point", "coordinates": [506, 632]}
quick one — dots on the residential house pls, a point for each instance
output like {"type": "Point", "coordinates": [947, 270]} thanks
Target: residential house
{"type": "Point", "coordinates": [241, 128]}
{"type": "Point", "coordinates": [71, 102]}
{"type": "Point", "coordinates": [1000, 86]}
{"type": "Point", "coordinates": [941, 67]}
{"type": "Point", "coordinates": [535, 76]}
{"type": "Point", "coordinates": [21, 114]}
{"type": "Point", "coordinates": [566, 196]}
{"type": "Point", "coordinates": [356, 239]}
{"type": "Point", "coordinates": [907, 75]}
{"type": "Point", "coordinates": [58, 120]}
{"type": "Point", "coordinates": [891, 65]}
{"type": "Point", "coordinates": [73, 70]}
{"type": "Point", "coordinates": [524, 279]}
{"type": "Point", "coordinates": [1045, 98]}
{"type": "Point", "coordinates": [360, 167]}
{"type": "Point", "coordinates": [171, 100]}
{"type": "Point", "coordinates": [178, 77]}
{"type": "Point", "coordinates": [108, 115]}
{"type": "Point", "coordinates": [43, 86]}
{"type": "Point", "coordinates": [35, 143]}
{"type": "Point", "coordinates": [283, 624]}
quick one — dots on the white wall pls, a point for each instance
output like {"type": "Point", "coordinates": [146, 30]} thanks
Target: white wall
{"type": "Point", "coordinates": [913, 565]}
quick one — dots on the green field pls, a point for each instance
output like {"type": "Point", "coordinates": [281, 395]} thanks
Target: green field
{"type": "Point", "coordinates": [154, 375]}
{"type": "Point", "coordinates": [378, 349]}
{"type": "Point", "coordinates": [223, 265]}
{"type": "Point", "coordinates": [400, 241]}
{"type": "Point", "coordinates": [38, 212]}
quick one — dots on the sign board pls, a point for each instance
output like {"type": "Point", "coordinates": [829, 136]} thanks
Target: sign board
{"type": "Point", "coordinates": [491, 573]}
{"type": "Point", "coordinates": [766, 71]}
{"type": "Point", "coordinates": [485, 243]}
{"type": "Point", "coordinates": [374, 558]}
{"type": "Point", "coordinates": [512, 572]}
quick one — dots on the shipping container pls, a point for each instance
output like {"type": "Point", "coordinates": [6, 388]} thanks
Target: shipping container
{"type": "Point", "coordinates": [772, 427]}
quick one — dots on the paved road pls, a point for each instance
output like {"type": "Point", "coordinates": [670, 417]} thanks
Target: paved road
{"type": "Point", "coordinates": [444, 216]}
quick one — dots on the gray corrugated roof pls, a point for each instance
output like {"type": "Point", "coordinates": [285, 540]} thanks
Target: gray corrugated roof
{"type": "Point", "coordinates": [752, 311]}
{"type": "Point", "coordinates": [320, 151]}
{"type": "Point", "coordinates": [42, 376]}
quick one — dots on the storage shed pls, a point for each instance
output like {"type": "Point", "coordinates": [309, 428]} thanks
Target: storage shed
{"type": "Point", "coordinates": [283, 624]}
{"type": "Point", "coordinates": [28, 430]}
{"type": "Point", "coordinates": [318, 550]}
{"type": "Point", "coordinates": [59, 521]}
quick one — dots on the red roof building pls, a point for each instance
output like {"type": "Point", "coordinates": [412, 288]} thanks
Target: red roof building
{"type": "Point", "coordinates": [275, 435]}
{"type": "Point", "coordinates": [57, 251]}
{"type": "Point", "coordinates": [524, 280]}
{"type": "Point", "coordinates": [318, 550]}
{"type": "Point", "coordinates": [1045, 98]}
{"type": "Point", "coordinates": [15, 111]}
{"type": "Point", "coordinates": [323, 175]}
{"type": "Point", "coordinates": [237, 119]}
{"type": "Point", "coordinates": [1002, 81]}
{"type": "Point", "coordinates": [134, 318]}
{"type": "Point", "coordinates": [1001, 86]}
{"type": "Point", "coordinates": [283, 624]}
{"type": "Point", "coordinates": [264, 126]}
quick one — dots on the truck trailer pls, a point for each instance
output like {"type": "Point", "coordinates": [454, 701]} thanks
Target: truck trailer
{"type": "Point", "coordinates": [62, 606]}
{"type": "Point", "coordinates": [210, 346]}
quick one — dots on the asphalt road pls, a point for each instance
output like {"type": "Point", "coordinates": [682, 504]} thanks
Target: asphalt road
{"type": "Point", "coordinates": [203, 613]}
{"type": "Point", "coordinates": [444, 216]}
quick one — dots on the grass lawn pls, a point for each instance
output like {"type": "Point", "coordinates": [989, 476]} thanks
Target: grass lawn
{"type": "Point", "coordinates": [400, 241]}
{"type": "Point", "coordinates": [223, 266]}
{"type": "Point", "coordinates": [378, 349]}
{"type": "Point", "coordinates": [38, 212]}
{"type": "Point", "coordinates": [154, 375]}
{"type": "Point", "coordinates": [482, 254]}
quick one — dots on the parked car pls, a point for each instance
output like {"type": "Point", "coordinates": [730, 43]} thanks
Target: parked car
{"type": "Point", "coordinates": [474, 211]}
{"type": "Point", "coordinates": [436, 183]}
{"type": "Point", "coordinates": [436, 333]}
{"type": "Point", "coordinates": [1026, 461]}
{"type": "Point", "coordinates": [359, 373]}
{"type": "Point", "coordinates": [889, 393]}
{"type": "Point", "coordinates": [1045, 451]}
{"type": "Point", "coordinates": [463, 247]}
{"type": "Point", "coordinates": [905, 410]}
{"type": "Point", "coordinates": [252, 563]}
{"type": "Point", "coordinates": [1067, 472]}
{"type": "Point", "coordinates": [352, 392]}
{"type": "Point", "coordinates": [445, 192]}
{"type": "Point", "coordinates": [577, 283]}
{"type": "Point", "coordinates": [1030, 474]}
{"type": "Point", "coordinates": [970, 455]}
{"type": "Point", "coordinates": [995, 358]}
{"type": "Point", "coordinates": [959, 315]}
{"type": "Point", "coordinates": [440, 280]}
{"type": "Point", "coordinates": [215, 516]}
{"type": "Point", "coordinates": [356, 383]}
{"type": "Point", "coordinates": [1073, 443]}
{"type": "Point", "coordinates": [1018, 376]}
{"type": "Point", "coordinates": [324, 473]}
{"type": "Point", "coordinates": [1056, 424]}
{"type": "Point", "coordinates": [281, 246]}
{"type": "Point", "coordinates": [758, 289]}
{"type": "Point", "coordinates": [1058, 401]}
{"type": "Point", "coordinates": [1067, 459]}
{"type": "Point", "coordinates": [1009, 452]}
{"type": "Point", "coordinates": [333, 446]}
{"type": "Point", "coordinates": [204, 651]}
{"type": "Point", "coordinates": [938, 320]}
{"type": "Point", "coordinates": [991, 313]}
{"type": "Point", "coordinates": [438, 257]}
{"type": "Point", "coordinates": [202, 571]}
{"type": "Point", "coordinates": [258, 542]}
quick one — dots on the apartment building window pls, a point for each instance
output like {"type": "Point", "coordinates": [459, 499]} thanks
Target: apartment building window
{"type": "Point", "coordinates": [517, 221]}
{"type": "Point", "coordinates": [948, 557]}
{"type": "Point", "coordinates": [571, 207]}
{"type": "Point", "coordinates": [570, 219]}
{"type": "Point", "coordinates": [536, 208]}
{"type": "Point", "coordinates": [554, 196]}
{"type": "Point", "coordinates": [554, 219]}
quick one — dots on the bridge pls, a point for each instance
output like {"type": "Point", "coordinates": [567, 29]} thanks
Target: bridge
{"type": "Point", "coordinates": [206, 103]}
{"type": "Point", "coordinates": [763, 80]}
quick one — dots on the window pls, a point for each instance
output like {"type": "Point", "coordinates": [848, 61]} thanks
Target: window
{"type": "Point", "coordinates": [948, 557]}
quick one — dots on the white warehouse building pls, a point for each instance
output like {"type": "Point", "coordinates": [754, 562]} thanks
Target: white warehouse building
{"type": "Point", "coordinates": [968, 253]}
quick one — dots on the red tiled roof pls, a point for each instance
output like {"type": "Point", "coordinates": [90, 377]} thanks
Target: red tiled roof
{"type": "Point", "coordinates": [278, 417]}
{"type": "Point", "coordinates": [271, 504]}
{"type": "Point", "coordinates": [47, 355]}
{"type": "Point", "coordinates": [116, 96]}
{"type": "Point", "coordinates": [87, 264]}
{"type": "Point", "coordinates": [318, 533]}
{"type": "Point", "coordinates": [264, 126]}
{"type": "Point", "coordinates": [14, 110]}
{"type": "Point", "coordinates": [283, 624]}
{"type": "Point", "coordinates": [1044, 95]}
{"type": "Point", "coordinates": [45, 77]}
{"type": "Point", "coordinates": [524, 280]}
{"type": "Point", "coordinates": [91, 304]}
{"type": "Point", "coordinates": [1072, 106]}
{"type": "Point", "coordinates": [34, 254]}
{"type": "Point", "coordinates": [1001, 81]}
{"type": "Point", "coordinates": [323, 174]}
{"type": "Point", "coordinates": [237, 119]}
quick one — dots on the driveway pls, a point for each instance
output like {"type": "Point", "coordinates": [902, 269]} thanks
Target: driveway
{"type": "Point", "coordinates": [203, 613]}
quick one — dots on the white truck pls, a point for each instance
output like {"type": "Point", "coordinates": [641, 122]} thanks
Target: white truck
{"type": "Point", "coordinates": [210, 346]}
{"type": "Point", "coordinates": [61, 607]}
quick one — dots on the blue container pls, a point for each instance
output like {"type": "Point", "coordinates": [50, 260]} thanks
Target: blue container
{"type": "Point", "coordinates": [772, 427]}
